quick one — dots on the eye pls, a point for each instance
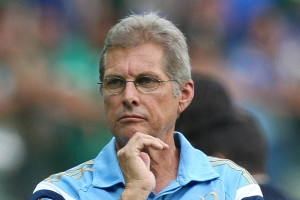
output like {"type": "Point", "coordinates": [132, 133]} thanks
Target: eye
{"type": "Point", "coordinates": [113, 82]}
{"type": "Point", "coordinates": [147, 82]}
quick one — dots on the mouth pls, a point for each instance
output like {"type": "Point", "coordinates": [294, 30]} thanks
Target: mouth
{"type": "Point", "coordinates": [131, 118]}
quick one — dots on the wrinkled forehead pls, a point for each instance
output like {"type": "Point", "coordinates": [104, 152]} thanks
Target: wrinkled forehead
{"type": "Point", "coordinates": [145, 57]}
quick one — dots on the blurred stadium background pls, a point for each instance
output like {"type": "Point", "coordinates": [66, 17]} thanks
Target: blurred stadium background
{"type": "Point", "coordinates": [51, 116]}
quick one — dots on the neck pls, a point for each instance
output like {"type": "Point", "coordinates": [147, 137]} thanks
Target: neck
{"type": "Point", "coordinates": [164, 166]}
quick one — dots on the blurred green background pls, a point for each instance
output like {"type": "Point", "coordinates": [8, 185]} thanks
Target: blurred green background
{"type": "Point", "coordinates": [51, 111]}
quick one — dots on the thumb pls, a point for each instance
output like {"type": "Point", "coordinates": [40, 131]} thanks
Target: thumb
{"type": "Point", "coordinates": [145, 157]}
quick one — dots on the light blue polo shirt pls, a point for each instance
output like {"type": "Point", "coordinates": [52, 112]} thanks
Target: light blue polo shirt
{"type": "Point", "coordinates": [199, 177]}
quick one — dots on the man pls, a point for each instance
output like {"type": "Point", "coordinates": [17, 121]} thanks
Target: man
{"type": "Point", "coordinates": [146, 83]}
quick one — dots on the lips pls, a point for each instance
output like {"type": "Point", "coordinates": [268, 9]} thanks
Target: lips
{"type": "Point", "coordinates": [131, 117]}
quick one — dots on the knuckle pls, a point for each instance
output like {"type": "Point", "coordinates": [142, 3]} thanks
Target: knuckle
{"type": "Point", "coordinates": [138, 134]}
{"type": "Point", "coordinates": [124, 153]}
{"type": "Point", "coordinates": [120, 153]}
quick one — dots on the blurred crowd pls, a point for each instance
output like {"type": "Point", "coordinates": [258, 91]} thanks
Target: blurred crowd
{"type": "Point", "coordinates": [51, 115]}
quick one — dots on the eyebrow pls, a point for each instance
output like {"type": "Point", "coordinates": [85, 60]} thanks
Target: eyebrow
{"type": "Point", "coordinates": [113, 75]}
{"type": "Point", "coordinates": [150, 74]}
{"type": "Point", "coordinates": [147, 73]}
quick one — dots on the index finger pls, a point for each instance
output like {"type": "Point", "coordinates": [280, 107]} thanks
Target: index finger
{"type": "Point", "coordinates": [140, 141]}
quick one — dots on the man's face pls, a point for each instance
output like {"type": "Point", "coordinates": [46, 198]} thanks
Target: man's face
{"type": "Point", "coordinates": [132, 111]}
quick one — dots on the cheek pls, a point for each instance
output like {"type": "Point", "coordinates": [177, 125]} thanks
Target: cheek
{"type": "Point", "coordinates": [167, 110]}
{"type": "Point", "coordinates": [110, 114]}
{"type": "Point", "coordinates": [109, 107]}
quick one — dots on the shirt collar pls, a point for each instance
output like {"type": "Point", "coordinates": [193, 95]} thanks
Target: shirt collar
{"type": "Point", "coordinates": [194, 165]}
{"type": "Point", "coordinates": [107, 171]}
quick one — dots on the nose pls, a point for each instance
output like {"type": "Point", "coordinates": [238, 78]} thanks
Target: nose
{"type": "Point", "coordinates": [130, 95]}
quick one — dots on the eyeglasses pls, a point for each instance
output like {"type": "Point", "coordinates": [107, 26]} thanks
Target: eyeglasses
{"type": "Point", "coordinates": [144, 84]}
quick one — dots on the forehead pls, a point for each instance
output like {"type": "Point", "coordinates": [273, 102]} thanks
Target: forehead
{"type": "Point", "coordinates": [132, 61]}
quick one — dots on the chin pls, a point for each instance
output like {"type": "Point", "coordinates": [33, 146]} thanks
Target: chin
{"type": "Point", "coordinates": [124, 136]}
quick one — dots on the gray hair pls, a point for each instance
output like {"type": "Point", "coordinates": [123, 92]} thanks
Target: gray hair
{"type": "Point", "coordinates": [138, 29]}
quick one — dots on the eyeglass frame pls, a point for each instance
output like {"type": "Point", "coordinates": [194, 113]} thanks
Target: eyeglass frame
{"type": "Point", "coordinates": [158, 81]}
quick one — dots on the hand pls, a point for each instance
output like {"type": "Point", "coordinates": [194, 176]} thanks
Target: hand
{"type": "Point", "coordinates": [135, 165]}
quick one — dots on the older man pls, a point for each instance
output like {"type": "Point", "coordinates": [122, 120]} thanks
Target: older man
{"type": "Point", "coordinates": [146, 83]}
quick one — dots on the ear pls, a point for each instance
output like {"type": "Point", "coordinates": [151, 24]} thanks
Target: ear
{"type": "Point", "coordinates": [187, 94]}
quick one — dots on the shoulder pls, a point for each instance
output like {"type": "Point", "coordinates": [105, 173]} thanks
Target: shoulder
{"type": "Point", "coordinates": [237, 181]}
{"type": "Point", "coordinates": [65, 185]}
{"type": "Point", "coordinates": [229, 169]}
{"type": "Point", "coordinates": [73, 174]}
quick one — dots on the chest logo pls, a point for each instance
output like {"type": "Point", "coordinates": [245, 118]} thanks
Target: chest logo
{"type": "Point", "coordinates": [210, 196]}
